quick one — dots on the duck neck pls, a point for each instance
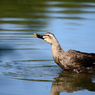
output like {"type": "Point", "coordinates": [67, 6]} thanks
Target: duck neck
{"type": "Point", "coordinates": [56, 52]}
{"type": "Point", "coordinates": [56, 48]}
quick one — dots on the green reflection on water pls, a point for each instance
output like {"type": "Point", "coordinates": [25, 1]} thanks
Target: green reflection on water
{"type": "Point", "coordinates": [70, 82]}
{"type": "Point", "coordinates": [36, 80]}
{"type": "Point", "coordinates": [34, 9]}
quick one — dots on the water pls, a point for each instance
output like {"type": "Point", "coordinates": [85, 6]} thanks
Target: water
{"type": "Point", "coordinates": [26, 63]}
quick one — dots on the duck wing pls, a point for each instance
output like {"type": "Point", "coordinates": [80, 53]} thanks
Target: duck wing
{"type": "Point", "coordinates": [85, 59]}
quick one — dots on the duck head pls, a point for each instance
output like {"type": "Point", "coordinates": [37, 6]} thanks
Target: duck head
{"type": "Point", "coordinates": [48, 37]}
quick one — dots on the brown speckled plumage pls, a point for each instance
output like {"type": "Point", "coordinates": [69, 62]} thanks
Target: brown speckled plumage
{"type": "Point", "coordinates": [71, 60]}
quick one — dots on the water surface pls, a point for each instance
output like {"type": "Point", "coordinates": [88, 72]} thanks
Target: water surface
{"type": "Point", "coordinates": [26, 63]}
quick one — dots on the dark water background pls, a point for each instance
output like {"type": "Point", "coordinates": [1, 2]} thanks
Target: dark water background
{"type": "Point", "coordinates": [26, 63]}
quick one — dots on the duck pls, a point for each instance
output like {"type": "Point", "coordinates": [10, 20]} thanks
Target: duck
{"type": "Point", "coordinates": [70, 60]}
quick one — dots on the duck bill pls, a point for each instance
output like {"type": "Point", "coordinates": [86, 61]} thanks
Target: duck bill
{"type": "Point", "coordinates": [38, 36]}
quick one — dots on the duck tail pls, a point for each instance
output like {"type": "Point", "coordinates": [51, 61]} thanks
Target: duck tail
{"type": "Point", "coordinates": [93, 56]}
